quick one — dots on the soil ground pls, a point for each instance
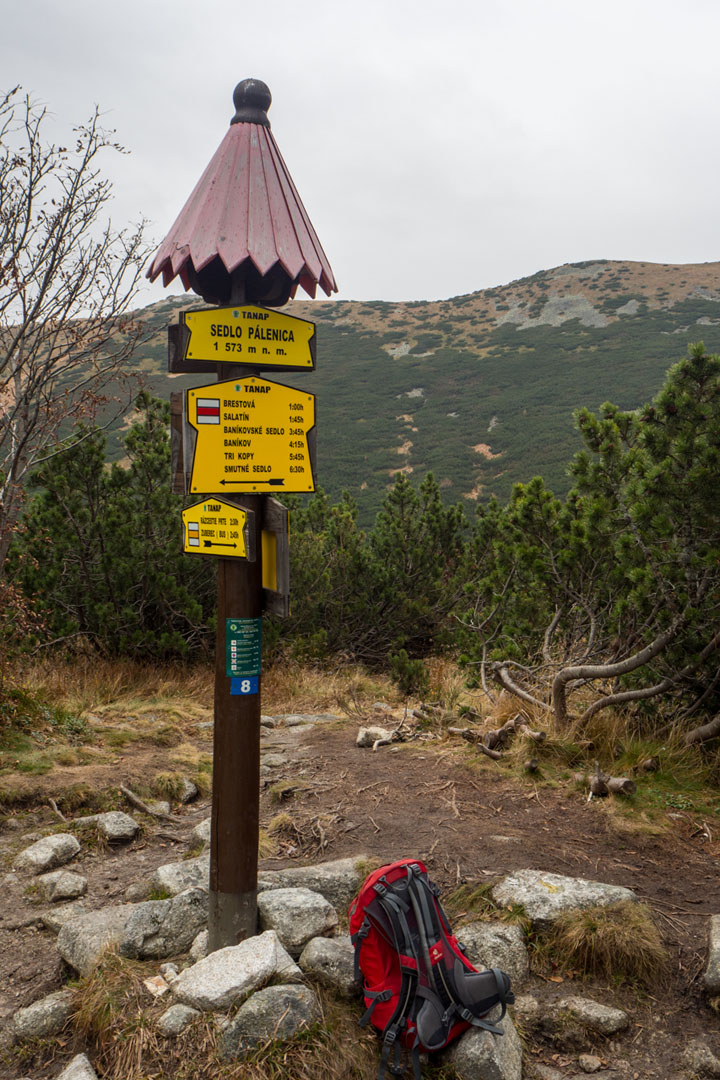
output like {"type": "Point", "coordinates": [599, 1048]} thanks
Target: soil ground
{"type": "Point", "coordinates": [429, 799]}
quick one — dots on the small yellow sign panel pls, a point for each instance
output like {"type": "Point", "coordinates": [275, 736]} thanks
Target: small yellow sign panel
{"type": "Point", "coordinates": [214, 528]}
{"type": "Point", "coordinates": [250, 335]}
{"type": "Point", "coordinates": [252, 435]}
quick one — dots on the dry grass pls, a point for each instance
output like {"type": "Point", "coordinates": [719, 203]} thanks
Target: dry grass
{"type": "Point", "coordinates": [87, 683]}
{"type": "Point", "coordinates": [115, 1020]}
{"type": "Point", "coordinates": [620, 941]}
{"type": "Point", "coordinates": [291, 687]}
{"type": "Point", "coordinates": [335, 1049]}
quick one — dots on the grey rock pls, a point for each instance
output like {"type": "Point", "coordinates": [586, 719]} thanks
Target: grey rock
{"type": "Point", "coordinates": [277, 1012]}
{"type": "Point", "coordinates": [174, 878]}
{"type": "Point", "coordinates": [497, 945]}
{"type": "Point", "coordinates": [368, 736]}
{"type": "Point", "coordinates": [55, 919]}
{"type": "Point", "coordinates": [711, 977]}
{"type": "Point", "coordinates": [116, 826]}
{"type": "Point", "coordinates": [201, 832]}
{"type": "Point", "coordinates": [153, 929]}
{"type": "Point", "coordinates": [331, 962]}
{"type": "Point", "coordinates": [275, 761]}
{"type": "Point", "coordinates": [296, 719]}
{"type": "Point", "coordinates": [589, 1063]}
{"type": "Point", "coordinates": [545, 1072]}
{"type": "Point", "coordinates": [138, 891]}
{"type": "Point", "coordinates": [591, 1014]}
{"type": "Point", "coordinates": [229, 974]}
{"type": "Point", "coordinates": [189, 791]}
{"type": "Point", "coordinates": [527, 1010]}
{"type": "Point", "coordinates": [61, 885]}
{"type": "Point", "coordinates": [546, 896]}
{"type": "Point", "coordinates": [160, 928]}
{"type": "Point", "coordinates": [47, 853]}
{"type": "Point", "coordinates": [159, 806]}
{"type": "Point", "coordinates": [199, 947]}
{"type": "Point", "coordinates": [268, 721]}
{"type": "Point", "coordinates": [478, 1055]}
{"type": "Point", "coordinates": [176, 1019]}
{"type": "Point", "coordinates": [45, 1017]}
{"type": "Point", "coordinates": [700, 1059]}
{"type": "Point", "coordinates": [83, 939]}
{"type": "Point", "coordinates": [338, 881]}
{"type": "Point", "coordinates": [296, 915]}
{"type": "Point", "coordinates": [78, 1069]}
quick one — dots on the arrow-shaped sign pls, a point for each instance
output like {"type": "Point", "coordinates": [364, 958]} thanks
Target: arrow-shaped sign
{"type": "Point", "coordinates": [216, 524]}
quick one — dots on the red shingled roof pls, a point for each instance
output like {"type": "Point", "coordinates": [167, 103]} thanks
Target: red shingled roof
{"type": "Point", "coordinates": [245, 207]}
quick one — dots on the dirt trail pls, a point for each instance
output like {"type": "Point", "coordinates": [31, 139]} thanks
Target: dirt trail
{"type": "Point", "coordinates": [432, 800]}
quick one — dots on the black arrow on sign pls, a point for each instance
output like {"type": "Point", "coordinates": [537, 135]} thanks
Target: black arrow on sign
{"type": "Point", "coordinates": [213, 543]}
{"type": "Point", "coordinates": [277, 482]}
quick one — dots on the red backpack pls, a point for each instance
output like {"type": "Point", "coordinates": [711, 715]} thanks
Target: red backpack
{"type": "Point", "coordinates": [420, 989]}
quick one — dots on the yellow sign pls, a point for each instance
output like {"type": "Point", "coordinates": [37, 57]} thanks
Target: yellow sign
{"type": "Point", "coordinates": [250, 335]}
{"type": "Point", "coordinates": [215, 528]}
{"type": "Point", "coordinates": [252, 435]}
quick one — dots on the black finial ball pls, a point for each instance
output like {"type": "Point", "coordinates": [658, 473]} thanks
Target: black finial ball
{"type": "Point", "coordinates": [251, 99]}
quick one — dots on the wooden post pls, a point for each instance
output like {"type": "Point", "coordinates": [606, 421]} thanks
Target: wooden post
{"type": "Point", "coordinates": [236, 762]}
{"type": "Point", "coordinates": [235, 824]}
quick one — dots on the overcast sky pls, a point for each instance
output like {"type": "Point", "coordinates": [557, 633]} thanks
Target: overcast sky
{"type": "Point", "coordinates": [439, 147]}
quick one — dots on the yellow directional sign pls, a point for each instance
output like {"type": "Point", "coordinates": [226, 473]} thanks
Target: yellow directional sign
{"type": "Point", "coordinates": [252, 435]}
{"type": "Point", "coordinates": [214, 527]}
{"type": "Point", "coordinates": [250, 335]}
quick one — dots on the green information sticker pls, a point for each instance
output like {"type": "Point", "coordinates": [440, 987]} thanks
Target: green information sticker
{"type": "Point", "coordinates": [243, 646]}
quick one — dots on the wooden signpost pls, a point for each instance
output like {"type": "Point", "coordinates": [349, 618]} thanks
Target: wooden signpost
{"type": "Point", "coordinates": [236, 444]}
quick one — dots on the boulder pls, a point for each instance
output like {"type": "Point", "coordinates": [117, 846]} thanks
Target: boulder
{"type": "Point", "coordinates": [496, 945]}
{"type": "Point", "coordinates": [116, 826]}
{"type": "Point", "coordinates": [545, 897]}
{"type": "Point", "coordinates": [188, 790]}
{"type": "Point", "coordinates": [331, 962]}
{"type": "Point", "coordinates": [479, 1055]}
{"type": "Point", "coordinates": [55, 919]}
{"type": "Point", "coordinates": [83, 939]}
{"type": "Point", "coordinates": [700, 1059]}
{"type": "Point", "coordinates": [199, 947]}
{"type": "Point", "coordinates": [174, 878]}
{"type": "Point", "coordinates": [338, 881]}
{"type": "Point", "coordinates": [158, 928]}
{"type": "Point", "coordinates": [368, 736]}
{"type": "Point", "coordinates": [78, 1069]}
{"type": "Point", "coordinates": [278, 1012]}
{"type": "Point", "coordinates": [47, 853]}
{"type": "Point", "coordinates": [61, 885]}
{"type": "Point", "coordinates": [296, 915]}
{"type": "Point", "coordinates": [275, 761]}
{"type": "Point", "coordinates": [150, 930]}
{"type": "Point", "coordinates": [201, 832]}
{"type": "Point", "coordinates": [229, 974]}
{"type": "Point", "coordinates": [176, 1019]}
{"type": "Point", "coordinates": [45, 1017]}
{"type": "Point", "coordinates": [591, 1014]}
{"type": "Point", "coordinates": [711, 977]}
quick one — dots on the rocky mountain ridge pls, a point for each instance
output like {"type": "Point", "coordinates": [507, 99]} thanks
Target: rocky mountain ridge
{"type": "Point", "coordinates": [480, 389]}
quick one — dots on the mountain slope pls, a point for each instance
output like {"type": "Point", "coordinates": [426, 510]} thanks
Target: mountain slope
{"type": "Point", "coordinates": [480, 389]}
